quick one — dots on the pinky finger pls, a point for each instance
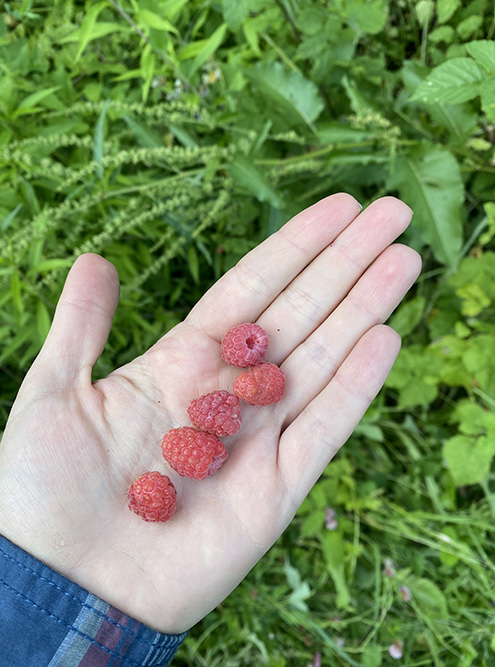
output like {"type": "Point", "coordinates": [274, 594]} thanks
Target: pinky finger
{"type": "Point", "coordinates": [316, 435]}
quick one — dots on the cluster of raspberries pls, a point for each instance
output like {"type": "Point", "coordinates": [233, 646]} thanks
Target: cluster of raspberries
{"type": "Point", "coordinates": [196, 451]}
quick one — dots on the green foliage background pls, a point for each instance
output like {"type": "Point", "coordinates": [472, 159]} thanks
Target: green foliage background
{"type": "Point", "coordinates": [172, 136]}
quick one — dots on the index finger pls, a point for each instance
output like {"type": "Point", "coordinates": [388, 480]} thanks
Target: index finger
{"type": "Point", "coordinates": [245, 291]}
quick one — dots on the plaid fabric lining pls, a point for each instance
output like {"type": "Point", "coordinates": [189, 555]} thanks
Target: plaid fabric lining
{"type": "Point", "coordinates": [46, 619]}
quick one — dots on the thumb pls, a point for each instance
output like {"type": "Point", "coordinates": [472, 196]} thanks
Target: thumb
{"type": "Point", "coordinates": [82, 320]}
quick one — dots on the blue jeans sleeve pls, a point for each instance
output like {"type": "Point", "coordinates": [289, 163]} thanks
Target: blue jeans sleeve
{"type": "Point", "coordinates": [48, 620]}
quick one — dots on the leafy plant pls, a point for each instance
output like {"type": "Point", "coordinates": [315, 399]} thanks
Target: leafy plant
{"type": "Point", "coordinates": [172, 136]}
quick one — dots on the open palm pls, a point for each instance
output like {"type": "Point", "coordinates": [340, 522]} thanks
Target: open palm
{"type": "Point", "coordinates": [72, 447]}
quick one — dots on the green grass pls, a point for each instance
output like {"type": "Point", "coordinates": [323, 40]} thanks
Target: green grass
{"type": "Point", "coordinates": [172, 136]}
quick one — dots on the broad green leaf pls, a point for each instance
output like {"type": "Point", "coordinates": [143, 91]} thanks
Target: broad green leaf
{"type": "Point", "coordinates": [366, 16]}
{"type": "Point", "coordinates": [488, 98]}
{"type": "Point", "coordinates": [475, 358]}
{"type": "Point", "coordinates": [338, 133]}
{"type": "Point", "coordinates": [469, 26]}
{"type": "Point", "coordinates": [408, 316]}
{"type": "Point", "coordinates": [10, 217]}
{"type": "Point", "coordinates": [468, 459]}
{"type": "Point", "coordinates": [49, 265]}
{"type": "Point", "coordinates": [372, 656]}
{"type": "Point", "coordinates": [474, 300]}
{"type": "Point", "coordinates": [101, 29]}
{"type": "Point", "coordinates": [333, 550]}
{"type": "Point", "coordinates": [146, 136]}
{"type": "Point", "coordinates": [28, 104]}
{"type": "Point", "coordinates": [172, 8]}
{"type": "Point", "coordinates": [151, 20]}
{"type": "Point", "coordinates": [252, 179]}
{"type": "Point", "coordinates": [459, 119]}
{"type": "Point", "coordinates": [251, 30]}
{"type": "Point", "coordinates": [99, 138]}
{"type": "Point", "coordinates": [234, 12]}
{"type": "Point", "coordinates": [203, 49]}
{"type": "Point", "coordinates": [429, 598]}
{"type": "Point", "coordinates": [147, 64]}
{"type": "Point", "coordinates": [445, 33]}
{"type": "Point", "coordinates": [483, 51]}
{"type": "Point", "coordinates": [290, 90]}
{"type": "Point", "coordinates": [87, 30]}
{"type": "Point", "coordinates": [429, 180]}
{"type": "Point", "coordinates": [446, 9]}
{"type": "Point", "coordinates": [300, 589]}
{"type": "Point", "coordinates": [470, 416]}
{"type": "Point", "coordinates": [424, 11]}
{"type": "Point", "coordinates": [416, 375]}
{"type": "Point", "coordinates": [184, 137]}
{"type": "Point", "coordinates": [456, 80]}
{"type": "Point", "coordinates": [131, 74]}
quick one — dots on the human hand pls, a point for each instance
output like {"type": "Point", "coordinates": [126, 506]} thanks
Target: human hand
{"type": "Point", "coordinates": [72, 447]}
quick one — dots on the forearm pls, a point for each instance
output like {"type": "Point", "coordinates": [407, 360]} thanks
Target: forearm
{"type": "Point", "coordinates": [46, 619]}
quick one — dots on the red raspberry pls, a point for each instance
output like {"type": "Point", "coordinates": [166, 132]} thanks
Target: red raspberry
{"type": "Point", "coordinates": [193, 453]}
{"type": "Point", "coordinates": [218, 412]}
{"type": "Point", "coordinates": [260, 385]}
{"type": "Point", "coordinates": [152, 496]}
{"type": "Point", "coordinates": [244, 345]}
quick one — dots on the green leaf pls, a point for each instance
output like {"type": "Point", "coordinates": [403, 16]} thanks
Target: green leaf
{"type": "Point", "coordinates": [429, 598]}
{"type": "Point", "coordinates": [147, 65]}
{"type": "Point", "coordinates": [43, 321]}
{"type": "Point", "coordinates": [151, 20]}
{"type": "Point", "coordinates": [99, 138]}
{"type": "Point", "coordinates": [300, 589]}
{"type": "Point", "coordinates": [483, 51]}
{"type": "Point", "coordinates": [424, 11]}
{"type": "Point", "coordinates": [488, 98]}
{"type": "Point", "coordinates": [17, 341]}
{"type": "Point", "coordinates": [429, 180]}
{"type": "Point", "coordinates": [416, 375]}
{"type": "Point", "coordinates": [172, 8]}
{"type": "Point", "coordinates": [234, 12]}
{"type": "Point", "coordinates": [408, 316]}
{"type": "Point", "coordinates": [290, 90]}
{"type": "Point", "coordinates": [446, 9]}
{"type": "Point", "coordinates": [98, 30]}
{"type": "Point", "coordinates": [444, 33]}
{"type": "Point", "coordinates": [49, 265]}
{"type": "Point", "coordinates": [28, 104]}
{"type": "Point", "coordinates": [467, 27]}
{"type": "Point", "coordinates": [15, 287]}
{"type": "Point", "coordinates": [146, 136]}
{"type": "Point", "coordinates": [456, 80]}
{"type": "Point", "coordinates": [468, 459]}
{"type": "Point", "coordinates": [367, 16]}
{"type": "Point", "coordinates": [10, 217]}
{"type": "Point", "coordinates": [203, 49]}
{"type": "Point", "coordinates": [249, 177]}
{"type": "Point", "coordinates": [333, 550]}
{"type": "Point", "coordinates": [193, 262]}
{"type": "Point", "coordinates": [181, 135]}
{"type": "Point", "coordinates": [475, 360]}
{"type": "Point", "coordinates": [87, 31]}
{"type": "Point", "coordinates": [372, 656]}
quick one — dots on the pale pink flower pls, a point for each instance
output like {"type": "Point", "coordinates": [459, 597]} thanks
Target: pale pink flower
{"type": "Point", "coordinates": [331, 522]}
{"type": "Point", "coordinates": [405, 593]}
{"type": "Point", "coordinates": [388, 567]}
{"type": "Point", "coordinates": [395, 649]}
